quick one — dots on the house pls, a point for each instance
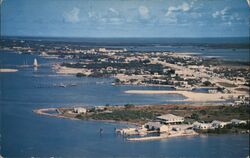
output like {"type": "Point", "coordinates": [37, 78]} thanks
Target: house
{"type": "Point", "coordinates": [212, 91]}
{"type": "Point", "coordinates": [170, 119]}
{"type": "Point", "coordinates": [237, 122]}
{"type": "Point", "coordinates": [241, 97]}
{"type": "Point", "coordinates": [202, 126]}
{"type": "Point", "coordinates": [99, 108]}
{"type": "Point", "coordinates": [80, 110]}
{"type": "Point", "coordinates": [102, 50]}
{"type": "Point", "coordinates": [126, 131]}
{"type": "Point", "coordinates": [156, 126]}
{"type": "Point", "coordinates": [219, 124]}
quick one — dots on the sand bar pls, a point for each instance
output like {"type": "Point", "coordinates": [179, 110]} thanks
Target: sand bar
{"type": "Point", "coordinates": [8, 70]}
{"type": "Point", "coordinates": [190, 96]}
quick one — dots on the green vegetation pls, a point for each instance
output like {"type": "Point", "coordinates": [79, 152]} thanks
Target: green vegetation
{"type": "Point", "coordinates": [228, 129]}
{"type": "Point", "coordinates": [134, 116]}
{"type": "Point", "coordinates": [80, 75]}
{"type": "Point", "coordinates": [207, 83]}
{"type": "Point", "coordinates": [129, 106]}
{"type": "Point", "coordinates": [142, 114]}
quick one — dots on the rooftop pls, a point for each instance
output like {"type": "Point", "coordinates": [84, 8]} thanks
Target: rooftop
{"type": "Point", "coordinates": [170, 117]}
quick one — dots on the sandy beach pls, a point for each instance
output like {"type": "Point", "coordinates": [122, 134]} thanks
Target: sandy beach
{"type": "Point", "coordinates": [69, 71]}
{"type": "Point", "coordinates": [190, 96]}
{"type": "Point", "coordinates": [8, 70]}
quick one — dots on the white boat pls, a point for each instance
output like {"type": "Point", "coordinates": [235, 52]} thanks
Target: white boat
{"type": "Point", "coordinates": [35, 64]}
{"type": "Point", "coordinates": [62, 85]}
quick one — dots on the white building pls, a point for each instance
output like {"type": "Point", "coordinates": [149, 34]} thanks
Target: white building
{"type": "Point", "coordinates": [156, 126]}
{"type": "Point", "coordinates": [203, 126]}
{"type": "Point", "coordinates": [212, 91]}
{"type": "Point", "coordinates": [170, 119]}
{"type": "Point", "coordinates": [237, 122]}
{"type": "Point", "coordinates": [100, 108]}
{"type": "Point", "coordinates": [219, 124]}
{"type": "Point", "coordinates": [80, 110]}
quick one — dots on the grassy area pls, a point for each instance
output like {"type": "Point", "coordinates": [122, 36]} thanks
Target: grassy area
{"type": "Point", "coordinates": [134, 116]}
{"type": "Point", "coordinates": [142, 114]}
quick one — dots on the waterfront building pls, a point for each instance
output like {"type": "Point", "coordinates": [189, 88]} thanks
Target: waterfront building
{"type": "Point", "coordinates": [156, 126]}
{"type": "Point", "coordinates": [203, 126]}
{"type": "Point", "coordinates": [170, 119]}
{"type": "Point", "coordinates": [237, 122]}
{"type": "Point", "coordinates": [80, 110]}
{"type": "Point", "coordinates": [219, 124]}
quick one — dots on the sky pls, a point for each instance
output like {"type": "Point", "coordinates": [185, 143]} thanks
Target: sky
{"type": "Point", "coordinates": [125, 18]}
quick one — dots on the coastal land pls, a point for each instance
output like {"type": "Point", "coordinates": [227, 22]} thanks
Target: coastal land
{"type": "Point", "coordinates": [190, 95]}
{"type": "Point", "coordinates": [216, 91]}
{"type": "Point", "coordinates": [195, 119]}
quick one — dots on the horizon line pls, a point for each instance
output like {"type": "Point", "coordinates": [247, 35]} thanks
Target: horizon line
{"type": "Point", "coordinates": [20, 36]}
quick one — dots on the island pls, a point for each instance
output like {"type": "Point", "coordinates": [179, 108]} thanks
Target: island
{"type": "Point", "coordinates": [150, 122]}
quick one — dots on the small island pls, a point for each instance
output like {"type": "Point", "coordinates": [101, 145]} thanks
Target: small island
{"type": "Point", "coordinates": [150, 122]}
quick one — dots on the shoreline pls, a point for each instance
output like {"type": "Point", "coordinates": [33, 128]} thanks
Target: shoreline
{"type": "Point", "coordinates": [45, 110]}
{"type": "Point", "coordinates": [163, 136]}
{"type": "Point", "coordinates": [125, 115]}
{"type": "Point", "coordinates": [190, 96]}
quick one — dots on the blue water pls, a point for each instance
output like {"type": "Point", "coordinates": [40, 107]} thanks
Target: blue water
{"type": "Point", "coordinates": [140, 41]}
{"type": "Point", "coordinates": [25, 134]}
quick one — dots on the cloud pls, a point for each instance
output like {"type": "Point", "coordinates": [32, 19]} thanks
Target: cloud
{"type": "Point", "coordinates": [72, 16]}
{"type": "Point", "coordinates": [93, 15]}
{"type": "Point", "coordinates": [144, 12]}
{"type": "Point", "coordinates": [220, 13]}
{"type": "Point", "coordinates": [184, 7]}
{"type": "Point", "coordinates": [110, 16]}
{"type": "Point", "coordinates": [1, 1]}
{"type": "Point", "coordinates": [112, 10]}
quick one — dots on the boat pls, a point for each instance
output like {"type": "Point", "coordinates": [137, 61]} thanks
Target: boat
{"type": "Point", "coordinates": [35, 64]}
{"type": "Point", "coordinates": [62, 85]}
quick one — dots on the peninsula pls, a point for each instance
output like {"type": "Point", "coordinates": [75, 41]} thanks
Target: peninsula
{"type": "Point", "coordinates": [163, 121]}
